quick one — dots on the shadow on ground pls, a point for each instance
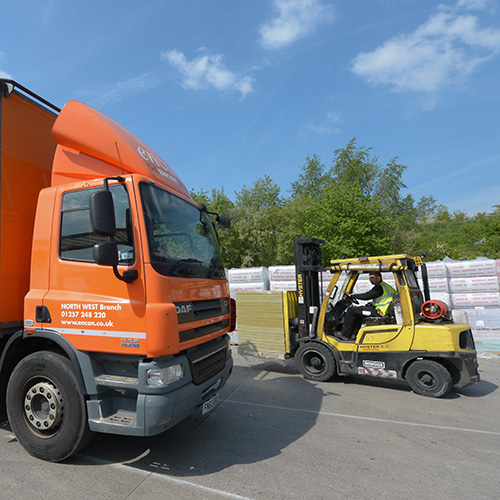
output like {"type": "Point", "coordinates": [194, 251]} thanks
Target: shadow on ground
{"type": "Point", "coordinates": [243, 429]}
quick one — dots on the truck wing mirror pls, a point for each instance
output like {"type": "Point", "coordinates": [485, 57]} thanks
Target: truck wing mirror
{"type": "Point", "coordinates": [224, 221]}
{"type": "Point", "coordinates": [106, 253]}
{"type": "Point", "coordinates": [102, 213]}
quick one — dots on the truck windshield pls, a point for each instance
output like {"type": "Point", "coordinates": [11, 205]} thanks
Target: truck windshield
{"type": "Point", "coordinates": [182, 239]}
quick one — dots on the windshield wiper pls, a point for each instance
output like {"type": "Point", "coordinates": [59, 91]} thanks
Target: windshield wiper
{"type": "Point", "coordinates": [215, 267]}
{"type": "Point", "coordinates": [181, 262]}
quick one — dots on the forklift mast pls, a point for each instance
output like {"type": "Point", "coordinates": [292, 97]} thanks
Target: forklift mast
{"type": "Point", "coordinates": [308, 266]}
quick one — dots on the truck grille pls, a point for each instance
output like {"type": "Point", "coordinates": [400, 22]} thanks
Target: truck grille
{"type": "Point", "coordinates": [194, 333]}
{"type": "Point", "coordinates": [208, 359]}
{"type": "Point", "coordinates": [188, 312]}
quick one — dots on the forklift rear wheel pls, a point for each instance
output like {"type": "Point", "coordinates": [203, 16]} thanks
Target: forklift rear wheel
{"type": "Point", "coordinates": [46, 409]}
{"type": "Point", "coordinates": [315, 361]}
{"type": "Point", "coordinates": [429, 378]}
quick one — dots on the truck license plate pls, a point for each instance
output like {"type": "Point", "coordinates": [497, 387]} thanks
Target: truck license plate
{"type": "Point", "coordinates": [210, 404]}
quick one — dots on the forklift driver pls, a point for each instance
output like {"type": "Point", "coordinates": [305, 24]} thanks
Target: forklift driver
{"type": "Point", "coordinates": [381, 296]}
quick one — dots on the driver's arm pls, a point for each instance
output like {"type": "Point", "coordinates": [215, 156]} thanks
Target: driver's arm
{"type": "Point", "coordinates": [375, 292]}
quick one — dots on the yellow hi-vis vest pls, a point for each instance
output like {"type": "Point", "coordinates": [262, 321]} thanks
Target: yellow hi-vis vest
{"type": "Point", "coordinates": [383, 302]}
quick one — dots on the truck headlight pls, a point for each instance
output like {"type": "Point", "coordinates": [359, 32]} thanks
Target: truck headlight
{"type": "Point", "coordinates": [165, 376]}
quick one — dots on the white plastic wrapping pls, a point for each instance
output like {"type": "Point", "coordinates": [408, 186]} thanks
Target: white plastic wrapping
{"type": "Point", "coordinates": [282, 273]}
{"type": "Point", "coordinates": [248, 275]}
{"type": "Point", "coordinates": [280, 286]}
{"type": "Point", "coordinates": [436, 269]}
{"type": "Point", "coordinates": [480, 284]}
{"type": "Point", "coordinates": [470, 268]}
{"type": "Point", "coordinates": [470, 300]}
{"type": "Point", "coordinates": [257, 286]}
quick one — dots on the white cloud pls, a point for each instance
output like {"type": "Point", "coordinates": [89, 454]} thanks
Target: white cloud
{"type": "Point", "coordinates": [296, 19]}
{"type": "Point", "coordinates": [328, 126]}
{"type": "Point", "coordinates": [446, 49]}
{"type": "Point", "coordinates": [323, 129]}
{"type": "Point", "coordinates": [207, 71]}
{"type": "Point", "coordinates": [473, 4]}
{"type": "Point", "coordinates": [334, 116]}
{"type": "Point", "coordinates": [200, 73]}
{"type": "Point", "coordinates": [105, 95]}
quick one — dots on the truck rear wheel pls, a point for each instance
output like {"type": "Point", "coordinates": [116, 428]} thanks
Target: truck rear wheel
{"type": "Point", "coordinates": [315, 361]}
{"type": "Point", "coordinates": [429, 378]}
{"type": "Point", "coordinates": [46, 409]}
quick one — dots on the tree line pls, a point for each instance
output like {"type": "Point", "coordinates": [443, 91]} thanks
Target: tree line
{"type": "Point", "coordinates": [356, 206]}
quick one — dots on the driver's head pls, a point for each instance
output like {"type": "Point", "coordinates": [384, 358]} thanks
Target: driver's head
{"type": "Point", "coordinates": [375, 278]}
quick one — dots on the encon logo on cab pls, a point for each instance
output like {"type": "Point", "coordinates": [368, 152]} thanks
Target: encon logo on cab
{"type": "Point", "coordinates": [156, 164]}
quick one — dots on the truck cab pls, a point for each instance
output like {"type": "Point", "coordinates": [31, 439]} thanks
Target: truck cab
{"type": "Point", "coordinates": [114, 306]}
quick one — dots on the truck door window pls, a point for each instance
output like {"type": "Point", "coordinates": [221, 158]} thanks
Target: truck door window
{"type": "Point", "coordinates": [77, 239]}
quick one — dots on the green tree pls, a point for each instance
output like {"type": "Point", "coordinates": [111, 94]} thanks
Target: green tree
{"type": "Point", "coordinates": [357, 206]}
{"type": "Point", "coordinates": [352, 224]}
{"type": "Point", "coordinates": [258, 217]}
{"type": "Point", "coordinates": [311, 181]}
{"type": "Point", "coordinates": [353, 165]}
{"type": "Point", "coordinates": [217, 201]}
{"type": "Point", "coordinates": [367, 203]}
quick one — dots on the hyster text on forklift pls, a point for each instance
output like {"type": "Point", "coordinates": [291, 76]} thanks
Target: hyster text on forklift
{"type": "Point", "coordinates": [417, 341]}
{"type": "Point", "coordinates": [114, 304]}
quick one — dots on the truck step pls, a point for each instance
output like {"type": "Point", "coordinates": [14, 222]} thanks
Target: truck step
{"type": "Point", "coordinates": [123, 381]}
{"type": "Point", "coordinates": [126, 419]}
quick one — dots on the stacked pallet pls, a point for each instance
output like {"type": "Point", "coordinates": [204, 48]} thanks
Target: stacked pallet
{"type": "Point", "coordinates": [249, 279]}
{"type": "Point", "coordinates": [260, 323]}
{"type": "Point", "coordinates": [282, 278]}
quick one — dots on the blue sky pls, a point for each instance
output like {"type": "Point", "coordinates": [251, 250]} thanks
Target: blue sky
{"type": "Point", "coordinates": [228, 91]}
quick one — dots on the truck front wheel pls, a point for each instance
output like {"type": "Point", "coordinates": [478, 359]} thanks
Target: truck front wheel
{"type": "Point", "coordinates": [46, 409]}
{"type": "Point", "coordinates": [315, 361]}
{"type": "Point", "coordinates": [429, 378]}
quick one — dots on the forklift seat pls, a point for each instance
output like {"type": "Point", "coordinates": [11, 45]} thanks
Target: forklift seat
{"type": "Point", "coordinates": [390, 317]}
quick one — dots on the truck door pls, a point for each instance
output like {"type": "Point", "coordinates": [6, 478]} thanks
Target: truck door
{"type": "Point", "coordinates": [85, 302]}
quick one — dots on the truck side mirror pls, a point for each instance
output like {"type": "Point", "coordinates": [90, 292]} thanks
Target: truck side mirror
{"type": "Point", "coordinates": [224, 221]}
{"type": "Point", "coordinates": [102, 213]}
{"type": "Point", "coordinates": [106, 253]}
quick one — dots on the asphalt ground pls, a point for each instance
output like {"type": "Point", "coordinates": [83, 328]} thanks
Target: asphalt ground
{"type": "Point", "coordinates": [275, 435]}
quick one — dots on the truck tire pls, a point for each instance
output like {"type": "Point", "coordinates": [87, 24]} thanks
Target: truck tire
{"type": "Point", "coordinates": [315, 361]}
{"type": "Point", "coordinates": [429, 378]}
{"type": "Point", "coordinates": [46, 409]}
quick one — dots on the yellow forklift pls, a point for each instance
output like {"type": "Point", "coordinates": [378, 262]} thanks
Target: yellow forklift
{"type": "Point", "coordinates": [418, 341]}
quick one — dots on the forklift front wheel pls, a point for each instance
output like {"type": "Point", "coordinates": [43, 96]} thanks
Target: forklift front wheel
{"type": "Point", "coordinates": [429, 378]}
{"type": "Point", "coordinates": [315, 361]}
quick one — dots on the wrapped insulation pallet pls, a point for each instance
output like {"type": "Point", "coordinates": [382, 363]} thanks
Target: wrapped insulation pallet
{"type": "Point", "coordinates": [282, 278]}
{"type": "Point", "coordinates": [261, 322]}
{"type": "Point", "coordinates": [251, 278]}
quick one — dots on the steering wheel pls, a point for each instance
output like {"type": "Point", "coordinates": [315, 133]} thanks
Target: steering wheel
{"type": "Point", "coordinates": [350, 299]}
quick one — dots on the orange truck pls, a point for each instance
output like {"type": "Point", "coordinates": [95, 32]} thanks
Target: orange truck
{"type": "Point", "coordinates": [114, 305]}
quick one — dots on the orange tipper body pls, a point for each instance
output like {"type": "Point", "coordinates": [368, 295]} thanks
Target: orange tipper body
{"type": "Point", "coordinates": [110, 270]}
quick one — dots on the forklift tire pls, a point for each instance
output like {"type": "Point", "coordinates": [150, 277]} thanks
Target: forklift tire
{"type": "Point", "coordinates": [429, 378]}
{"type": "Point", "coordinates": [315, 362]}
{"type": "Point", "coordinates": [46, 409]}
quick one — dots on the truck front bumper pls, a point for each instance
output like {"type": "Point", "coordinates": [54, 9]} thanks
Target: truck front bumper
{"type": "Point", "coordinates": [152, 413]}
